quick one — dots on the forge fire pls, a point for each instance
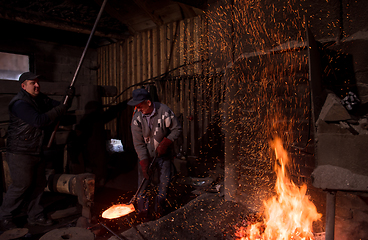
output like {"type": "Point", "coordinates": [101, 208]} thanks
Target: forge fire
{"type": "Point", "coordinates": [287, 215]}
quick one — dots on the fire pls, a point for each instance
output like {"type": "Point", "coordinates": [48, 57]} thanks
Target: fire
{"type": "Point", "coordinates": [287, 215]}
{"type": "Point", "coordinates": [118, 210]}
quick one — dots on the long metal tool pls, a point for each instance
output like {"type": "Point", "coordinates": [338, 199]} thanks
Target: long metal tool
{"type": "Point", "coordinates": [142, 183]}
{"type": "Point", "coordinates": [78, 67]}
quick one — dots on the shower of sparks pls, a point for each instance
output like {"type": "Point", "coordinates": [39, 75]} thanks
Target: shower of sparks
{"type": "Point", "coordinates": [266, 84]}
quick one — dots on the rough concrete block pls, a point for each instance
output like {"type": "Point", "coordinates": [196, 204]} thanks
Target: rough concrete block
{"type": "Point", "coordinates": [338, 178]}
{"type": "Point", "coordinates": [342, 150]}
{"type": "Point", "coordinates": [343, 212]}
{"type": "Point", "coordinates": [363, 89]}
{"type": "Point", "coordinates": [333, 110]}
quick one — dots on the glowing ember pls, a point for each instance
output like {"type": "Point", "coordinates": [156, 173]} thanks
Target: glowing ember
{"type": "Point", "coordinates": [118, 210]}
{"type": "Point", "coordinates": [289, 214]}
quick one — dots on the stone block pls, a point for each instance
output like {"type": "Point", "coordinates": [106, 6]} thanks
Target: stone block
{"type": "Point", "coordinates": [338, 178]}
{"type": "Point", "coordinates": [333, 110]}
{"type": "Point", "coordinates": [343, 150]}
{"type": "Point", "coordinates": [343, 212]}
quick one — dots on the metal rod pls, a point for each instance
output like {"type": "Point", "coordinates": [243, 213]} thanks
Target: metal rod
{"type": "Point", "coordinates": [330, 215]}
{"type": "Point", "coordinates": [142, 183]}
{"type": "Point", "coordinates": [78, 68]}
{"type": "Point", "coordinates": [136, 193]}
{"type": "Point", "coordinates": [97, 224]}
{"type": "Point", "coordinates": [89, 40]}
{"type": "Point", "coordinates": [108, 229]}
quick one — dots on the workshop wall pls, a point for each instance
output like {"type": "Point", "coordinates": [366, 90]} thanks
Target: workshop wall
{"type": "Point", "coordinates": [174, 59]}
{"type": "Point", "coordinates": [56, 62]}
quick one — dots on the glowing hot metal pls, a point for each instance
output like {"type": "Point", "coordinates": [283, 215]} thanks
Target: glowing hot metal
{"type": "Point", "coordinates": [118, 210]}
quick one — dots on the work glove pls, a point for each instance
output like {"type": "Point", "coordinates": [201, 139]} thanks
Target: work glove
{"type": "Point", "coordinates": [162, 146]}
{"type": "Point", "coordinates": [145, 165]}
{"type": "Point", "coordinates": [69, 95]}
{"type": "Point", "coordinates": [57, 112]}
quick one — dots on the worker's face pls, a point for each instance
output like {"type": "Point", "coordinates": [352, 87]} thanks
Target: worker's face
{"type": "Point", "coordinates": [145, 107]}
{"type": "Point", "coordinates": [32, 87]}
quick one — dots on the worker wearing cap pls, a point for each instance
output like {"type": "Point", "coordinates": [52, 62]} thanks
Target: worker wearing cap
{"type": "Point", "coordinates": [31, 112]}
{"type": "Point", "coordinates": [154, 128]}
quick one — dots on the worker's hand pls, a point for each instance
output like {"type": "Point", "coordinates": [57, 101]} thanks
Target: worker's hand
{"type": "Point", "coordinates": [69, 95]}
{"type": "Point", "coordinates": [144, 165]}
{"type": "Point", "coordinates": [162, 147]}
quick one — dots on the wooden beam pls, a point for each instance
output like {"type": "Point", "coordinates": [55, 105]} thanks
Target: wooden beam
{"type": "Point", "coordinates": [187, 11]}
{"type": "Point", "coordinates": [156, 19]}
{"type": "Point", "coordinates": [116, 12]}
{"type": "Point", "coordinates": [60, 26]}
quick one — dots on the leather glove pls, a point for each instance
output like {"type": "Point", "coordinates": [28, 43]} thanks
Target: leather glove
{"type": "Point", "coordinates": [144, 165]}
{"type": "Point", "coordinates": [69, 95]}
{"type": "Point", "coordinates": [57, 112]}
{"type": "Point", "coordinates": [162, 147]}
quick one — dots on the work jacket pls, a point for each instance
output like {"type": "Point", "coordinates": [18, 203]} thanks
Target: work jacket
{"type": "Point", "coordinates": [24, 137]}
{"type": "Point", "coordinates": [163, 124]}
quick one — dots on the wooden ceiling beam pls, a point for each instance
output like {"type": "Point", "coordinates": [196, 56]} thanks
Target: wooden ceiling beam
{"type": "Point", "coordinates": [187, 11]}
{"type": "Point", "coordinates": [60, 26]}
{"type": "Point", "coordinates": [116, 13]}
{"type": "Point", "coordinates": [156, 19]}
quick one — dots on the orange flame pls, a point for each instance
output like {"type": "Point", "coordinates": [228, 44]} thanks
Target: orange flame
{"type": "Point", "coordinates": [118, 210]}
{"type": "Point", "coordinates": [287, 215]}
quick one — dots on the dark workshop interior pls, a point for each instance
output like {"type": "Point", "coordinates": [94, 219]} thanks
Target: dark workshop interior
{"type": "Point", "coordinates": [239, 76]}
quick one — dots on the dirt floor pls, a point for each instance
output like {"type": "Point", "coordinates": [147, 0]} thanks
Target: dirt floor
{"type": "Point", "coordinates": [208, 216]}
{"type": "Point", "coordinates": [196, 210]}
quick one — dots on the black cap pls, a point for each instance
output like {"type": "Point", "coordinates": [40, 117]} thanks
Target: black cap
{"type": "Point", "coordinates": [139, 95]}
{"type": "Point", "coordinates": [27, 76]}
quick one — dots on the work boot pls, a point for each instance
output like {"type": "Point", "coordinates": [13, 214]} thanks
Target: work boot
{"type": "Point", "coordinates": [7, 224]}
{"type": "Point", "coordinates": [41, 221]}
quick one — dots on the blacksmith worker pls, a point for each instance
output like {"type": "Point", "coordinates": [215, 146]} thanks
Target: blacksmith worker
{"type": "Point", "coordinates": [31, 112]}
{"type": "Point", "coordinates": [154, 129]}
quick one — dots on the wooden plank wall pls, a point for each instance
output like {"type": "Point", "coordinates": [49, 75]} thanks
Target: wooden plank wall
{"type": "Point", "coordinates": [174, 58]}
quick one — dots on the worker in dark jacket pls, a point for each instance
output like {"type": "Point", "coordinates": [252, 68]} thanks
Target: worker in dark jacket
{"type": "Point", "coordinates": [31, 112]}
{"type": "Point", "coordinates": [154, 128]}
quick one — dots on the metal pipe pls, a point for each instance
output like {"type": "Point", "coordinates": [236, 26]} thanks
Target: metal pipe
{"type": "Point", "coordinates": [330, 215]}
{"type": "Point", "coordinates": [142, 183]}
{"type": "Point", "coordinates": [89, 40]}
{"type": "Point", "coordinates": [78, 67]}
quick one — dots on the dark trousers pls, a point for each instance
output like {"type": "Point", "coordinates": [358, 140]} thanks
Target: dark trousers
{"type": "Point", "coordinates": [163, 169]}
{"type": "Point", "coordinates": [28, 183]}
